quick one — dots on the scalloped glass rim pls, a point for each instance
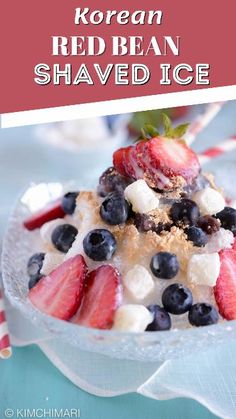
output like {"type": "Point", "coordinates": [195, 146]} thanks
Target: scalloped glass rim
{"type": "Point", "coordinates": [136, 346]}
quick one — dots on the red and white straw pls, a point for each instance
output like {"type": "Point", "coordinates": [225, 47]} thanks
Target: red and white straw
{"type": "Point", "coordinates": [202, 121]}
{"type": "Point", "coordinates": [227, 145]}
{"type": "Point", "coordinates": [5, 346]}
{"type": "Point", "coordinates": [231, 203]}
{"type": "Point", "coordinates": [206, 156]}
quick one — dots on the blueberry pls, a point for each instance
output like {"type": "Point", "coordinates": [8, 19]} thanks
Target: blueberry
{"type": "Point", "coordinates": [197, 236]}
{"type": "Point", "coordinates": [203, 314]}
{"type": "Point", "coordinates": [164, 265]}
{"type": "Point", "coordinates": [63, 236]}
{"type": "Point", "coordinates": [209, 224]}
{"type": "Point", "coordinates": [227, 218]}
{"type": "Point", "coordinates": [35, 264]}
{"type": "Point", "coordinates": [34, 280]}
{"type": "Point", "coordinates": [115, 209]}
{"type": "Point", "coordinates": [111, 181]}
{"type": "Point", "coordinates": [185, 212]}
{"type": "Point", "coordinates": [34, 267]}
{"type": "Point", "coordinates": [177, 299]}
{"type": "Point", "coordinates": [99, 244]}
{"type": "Point", "coordinates": [69, 202]}
{"type": "Point", "coordinates": [161, 319]}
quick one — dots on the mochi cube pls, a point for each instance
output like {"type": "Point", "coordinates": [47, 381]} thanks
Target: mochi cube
{"type": "Point", "coordinates": [142, 198]}
{"type": "Point", "coordinates": [222, 239]}
{"type": "Point", "coordinates": [204, 269]}
{"type": "Point", "coordinates": [209, 201]}
{"type": "Point", "coordinates": [138, 281]}
{"type": "Point", "coordinates": [132, 318]}
{"type": "Point", "coordinates": [51, 261]}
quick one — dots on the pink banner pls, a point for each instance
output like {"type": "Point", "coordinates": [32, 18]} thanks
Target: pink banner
{"type": "Point", "coordinates": [58, 53]}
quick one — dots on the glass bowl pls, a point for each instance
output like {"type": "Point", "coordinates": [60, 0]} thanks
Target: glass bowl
{"type": "Point", "coordinates": [18, 246]}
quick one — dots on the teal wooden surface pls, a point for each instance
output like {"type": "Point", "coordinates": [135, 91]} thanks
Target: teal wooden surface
{"type": "Point", "coordinates": [29, 381]}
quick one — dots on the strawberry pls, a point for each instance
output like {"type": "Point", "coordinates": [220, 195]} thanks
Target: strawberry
{"type": "Point", "coordinates": [154, 177]}
{"type": "Point", "coordinates": [234, 245]}
{"type": "Point", "coordinates": [50, 212]}
{"type": "Point", "coordinates": [118, 161]}
{"type": "Point", "coordinates": [173, 158]}
{"type": "Point", "coordinates": [159, 159]}
{"type": "Point", "coordinates": [141, 155]}
{"type": "Point", "coordinates": [143, 162]}
{"type": "Point", "coordinates": [225, 289]}
{"type": "Point", "coordinates": [101, 299]}
{"type": "Point", "coordinates": [138, 171]}
{"type": "Point", "coordinates": [60, 293]}
{"type": "Point", "coordinates": [126, 162]}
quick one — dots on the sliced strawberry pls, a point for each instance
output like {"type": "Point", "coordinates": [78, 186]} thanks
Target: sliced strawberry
{"type": "Point", "coordinates": [154, 177]}
{"type": "Point", "coordinates": [101, 299]}
{"type": "Point", "coordinates": [60, 293]}
{"type": "Point", "coordinates": [138, 171]}
{"type": "Point", "coordinates": [50, 212]}
{"type": "Point", "coordinates": [123, 162]}
{"type": "Point", "coordinates": [144, 162]}
{"type": "Point", "coordinates": [157, 161]}
{"type": "Point", "coordinates": [225, 289]}
{"type": "Point", "coordinates": [141, 154]}
{"type": "Point", "coordinates": [234, 245]}
{"type": "Point", "coordinates": [118, 161]}
{"type": "Point", "coordinates": [126, 164]}
{"type": "Point", "coordinates": [173, 158]}
{"type": "Point", "coordinates": [130, 172]}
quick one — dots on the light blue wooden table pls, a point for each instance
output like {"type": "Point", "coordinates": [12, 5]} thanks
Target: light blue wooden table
{"type": "Point", "coordinates": [28, 380]}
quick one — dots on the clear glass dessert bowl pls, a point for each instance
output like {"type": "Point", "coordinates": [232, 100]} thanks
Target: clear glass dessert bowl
{"type": "Point", "coordinates": [18, 246]}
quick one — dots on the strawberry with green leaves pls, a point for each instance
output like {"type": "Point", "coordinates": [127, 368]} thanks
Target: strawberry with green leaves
{"type": "Point", "coordinates": [159, 159]}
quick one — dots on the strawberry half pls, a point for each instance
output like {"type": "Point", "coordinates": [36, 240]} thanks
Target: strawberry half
{"type": "Point", "coordinates": [173, 158]}
{"type": "Point", "coordinates": [60, 293]}
{"type": "Point", "coordinates": [225, 289]}
{"type": "Point", "coordinates": [50, 212]}
{"type": "Point", "coordinates": [101, 299]}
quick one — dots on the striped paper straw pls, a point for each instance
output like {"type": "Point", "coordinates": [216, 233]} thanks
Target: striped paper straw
{"type": "Point", "coordinates": [227, 145]}
{"type": "Point", "coordinates": [202, 121]}
{"type": "Point", "coordinates": [213, 152]}
{"type": "Point", "coordinates": [5, 346]}
{"type": "Point", "coordinates": [231, 202]}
